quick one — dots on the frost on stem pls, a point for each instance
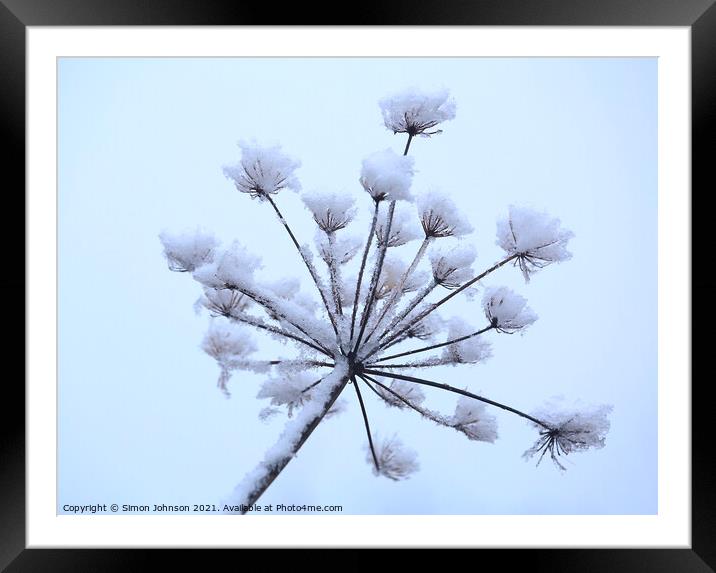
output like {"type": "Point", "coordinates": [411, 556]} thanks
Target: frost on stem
{"type": "Point", "coordinates": [395, 461]}
{"type": "Point", "coordinates": [472, 419]}
{"type": "Point", "coordinates": [390, 278]}
{"type": "Point", "coordinates": [387, 175]}
{"type": "Point", "coordinates": [416, 112]}
{"type": "Point", "coordinates": [187, 251]}
{"type": "Point", "coordinates": [535, 238]}
{"type": "Point", "coordinates": [575, 429]}
{"type": "Point", "coordinates": [452, 267]}
{"type": "Point", "coordinates": [226, 343]}
{"type": "Point", "coordinates": [440, 217]}
{"type": "Point", "coordinates": [331, 211]}
{"type": "Point", "coordinates": [263, 171]}
{"type": "Point", "coordinates": [507, 311]}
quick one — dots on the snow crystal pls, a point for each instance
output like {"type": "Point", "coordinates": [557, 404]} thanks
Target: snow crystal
{"type": "Point", "coordinates": [471, 418]}
{"type": "Point", "coordinates": [469, 351]}
{"type": "Point", "coordinates": [507, 311]}
{"type": "Point", "coordinates": [331, 211]}
{"type": "Point", "coordinates": [263, 171]}
{"type": "Point", "coordinates": [185, 252]}
{"type": "Point", "coordinates": [440, 217]}
{"type": "Point", "coordinates": [415, 112]}
{"type": "Point", "coordinates": [536, 238]}
{"type": "Point", "coordinates": [386, 174]}
{"type": "Point", "coordinates": [232, 267]}
{"type": "Point", "coordinates": [395, 461]}
{"type": "Point", "coordinates": [451, 267]}
{"type": "Point", "coordinates": [403, 228]}
{"type": "Point", "coordinates": [573, 429]}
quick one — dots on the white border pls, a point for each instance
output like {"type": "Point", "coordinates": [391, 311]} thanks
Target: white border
{"type": "Point", "coordinates": [670, 528]}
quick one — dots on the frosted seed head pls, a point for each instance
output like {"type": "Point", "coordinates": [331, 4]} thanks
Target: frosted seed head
{"type": "Point", "coordinates": [440, 217]}
{"type": "Point", "coordinates": [534, 238]}
{"type": "Point", "coordinates": [331, 211]}
{"type": "Point", "coordinates": [417, 112]}
{"type": "Point", "coordinates": [187, 251]}
{"type": "Point", "coordinates": [263, 170]}
{"type": "Point", "coordinates": [387, 175]}
{"type": "Point", "coordinates": [403, 229]}
{"type": "Point", "coordinates": [507, 311]}
{"type": "Point", "coordinates": [452, 267]}
{"type": "Point", "coordinates": [395, 461]}
{"type": "Point", "coordinates": [472, 418]}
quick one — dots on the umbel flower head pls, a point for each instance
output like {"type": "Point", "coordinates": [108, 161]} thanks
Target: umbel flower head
{"type": "Point", "coordinates": [263, 171]}
{"type": "Point", "coordinates": [570, 430]}
{"type": "Point", "coordinates": [387, 175]}
{"type": "Point", "coordinates": [535, 239]}
{"type": "Point", "coordinates": [363, 333]}
{"type": "Point", "coordinates": [417, 112]}
{"type": "Point", "coordinates": [507, 311]}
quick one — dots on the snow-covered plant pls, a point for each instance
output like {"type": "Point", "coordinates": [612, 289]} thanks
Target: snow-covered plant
{"type": "Point", "coordinates": [374, 311]}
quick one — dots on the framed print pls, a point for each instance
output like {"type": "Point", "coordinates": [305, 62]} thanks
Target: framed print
{"type": "Point", "coordinates": [439, 295]}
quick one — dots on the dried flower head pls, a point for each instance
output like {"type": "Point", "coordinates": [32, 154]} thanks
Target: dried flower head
{"type": "Point", "coordinates": [534, 238]}
{"type": "Point", "coordinates": [185, 252]}
{"type": "Point", "coordinates": [263, 171]}
{"type": "Point", "coordinates": [416, 112]}
{"type": "Point", "coordinates": [507, 311]}
{"type": "Point", "coordinates": [227, 343]}
{"type": "Point", "coordinates": [331, 211]}
{"type": "Point", "coordinates": [395, 461]}
{"type": "Point", "coordinates": [387, 175]}
{"type": "Point", "coordinates": [440, 217]}
{"type": "Point", "coordinates": [403, 229]}
{"type": "Point", "coordinates": [452, 267]}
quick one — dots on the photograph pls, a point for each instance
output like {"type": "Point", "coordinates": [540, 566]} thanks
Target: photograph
{"type": "Point", "coordinates": [357, 285]}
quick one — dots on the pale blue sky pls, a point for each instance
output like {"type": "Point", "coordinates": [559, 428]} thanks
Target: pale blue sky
{"type": "Point", "coordinates": [141, 145]}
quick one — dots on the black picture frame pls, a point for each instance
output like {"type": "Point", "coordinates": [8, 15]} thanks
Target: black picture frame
{"type": "Point", "coordinates": [16, 15]}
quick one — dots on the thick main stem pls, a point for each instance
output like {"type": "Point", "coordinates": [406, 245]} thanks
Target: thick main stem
{"type": "Point", "coordinates": [362, 267]}
{"type": "Point", "coordinates": [375, 278]}
{"type": "Point", "coordinates": [367, 425]}
{"type": "Point", "coordinates": [273, 471]}
{"type": "Point", "coordinates": [398, 291]}
{"type": "Point", "coordinates": [309, 265]}
{"type": "Point", "coordinates": [435, 305]}
{"type": "Point", "coordinates": [434, 346]}
{"type": "Point", "coordinates": [458, 391]}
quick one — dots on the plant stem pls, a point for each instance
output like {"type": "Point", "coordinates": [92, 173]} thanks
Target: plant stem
{"type": "Point", "coordinates": [417, 299]}
{"type": "Point", "coordinates": [362, 267]}
{"type": "Point", "coordinates": [258, 323]}
{"type": "Point", "coordinates": [423, 412]}
{"type": "Point", "coordinates": [397, 293]}
{"type": "Point", "coordinates": [434, 346]}
{"type": "Point", "coordinates": [276, 468]}
{"type": "Point", "coordinates": [367, 425]}
{"type": "Point", "coordinates": [457, 391]}
{"type": "Point", "coordinates": [334, 273]}
{"type": "Point", "coordinates": [376, 276]}
{"type": "Point", "coordinates": [443, 300]}
{"type": "Point", "coordinates": [407, 144]}
{"type": "Point", "coordinates": [309, 264]}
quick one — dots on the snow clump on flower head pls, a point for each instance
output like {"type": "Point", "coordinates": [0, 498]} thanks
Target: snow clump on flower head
{"type": "Point", "coordinates": [395, 461]}
{"type": "Point", "coordinates": [571, 430]}
{"type": "Point", "coordinates": [331, 211]}
{"type": "Point", "coordinates": [234, 267]}
{"type": "Point", "coordinates": [416, 112]}
{"type": "Point", "coordinates": [469, 351]}
{"type": "Point", "coordinates": [226, 343]}
{"type": "Point", "coordinates": [452, 267]}
{"type": "Point", "coordinates": [472, 419]}
{"type": "Point", "coordinates": [535, 238]}
{"type": "Point", "coordinates": [263, 171]}
{"type": "Point", "coordinates": [440, 217]}
{"type": "Point", "coordinates": [185, 252]}
{"type": "Point", "coordinates": [506, 310]}
{"type": "Point", "coordinates": [385, 174]}
{"type": "Point", "coordinates": [403, 229]}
